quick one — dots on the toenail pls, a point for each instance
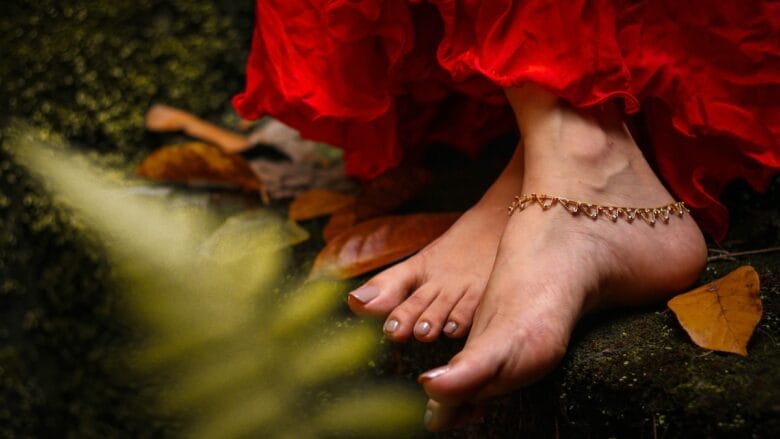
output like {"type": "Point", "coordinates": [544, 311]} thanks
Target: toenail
{"type": "Point", "coordinates": [391, 325]}
{"type": "Point", "coordinates": [423, 328]}
{"type": "Point", "coordinates": [432, 374]}
{"type": "Point", "coordinates": [450, 327]}
{"type": "Point", "coordinates": [428, 417]}
{"type": "Point", "coordinates": [365, 294]}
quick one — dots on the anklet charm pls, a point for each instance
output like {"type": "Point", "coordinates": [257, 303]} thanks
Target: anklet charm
{"type": "Point", "coordinates": [650, 215]}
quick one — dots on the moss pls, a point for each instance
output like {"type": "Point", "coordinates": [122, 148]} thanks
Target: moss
{"type": "Point", "coordinates": [89, 70]}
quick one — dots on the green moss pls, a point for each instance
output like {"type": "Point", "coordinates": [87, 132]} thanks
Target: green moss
{"type": "Point", "coordinates": [89, 70]}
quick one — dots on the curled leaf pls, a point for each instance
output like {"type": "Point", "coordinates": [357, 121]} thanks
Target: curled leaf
{"type": "Point", "coordinates": [721, 315]}
{"type": "Point", "coordinates": [378, 242]}
{"type": "Point", "coordinates": [198, 162]}
{"type": "Point", "coordinates": [162, 118]}
{"type": "Point", "coordinates": [318, 202]}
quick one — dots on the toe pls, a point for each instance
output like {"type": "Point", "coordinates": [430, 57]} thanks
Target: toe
{"type": "Point", "coordinates": [464, 377]}
{"type": "Point", "coordinates": [434, 319]}
{"type": "Point", "coordinates": [401, 322]}
{"type": "Point", "coordinates": [494, 363]}
{"type": "Point", "coordinates": [459, 320]}
{"type": "Point", "coordinates": [385, 291]}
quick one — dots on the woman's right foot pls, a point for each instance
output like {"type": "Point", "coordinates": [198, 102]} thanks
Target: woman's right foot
{"type": "Point", "coordinates": [552, 267]}
{"type": "Point", "coordinates": [438, 289]}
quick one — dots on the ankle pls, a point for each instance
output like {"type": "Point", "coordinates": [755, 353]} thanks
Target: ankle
{"type": "Point", "coordinates": [584, 153]}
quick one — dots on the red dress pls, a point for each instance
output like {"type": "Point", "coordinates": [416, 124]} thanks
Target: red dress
{"type": "Point", "coordinates": [382, 78]}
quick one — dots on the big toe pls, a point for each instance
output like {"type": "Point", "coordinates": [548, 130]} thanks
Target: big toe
{"type": "Point", "coordinates": [491, 364]}
{"type": "Point", "coordinates": [385, 291]}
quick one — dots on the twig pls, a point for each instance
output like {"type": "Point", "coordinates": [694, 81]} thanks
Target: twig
{"type": "Point", "coordinates": [724, 255]}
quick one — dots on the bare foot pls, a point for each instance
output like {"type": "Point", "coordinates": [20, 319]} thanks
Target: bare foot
{"type": "Point", "coordinates": [438, 289]}
{"type": "Point", "coordinates": [552, 267]}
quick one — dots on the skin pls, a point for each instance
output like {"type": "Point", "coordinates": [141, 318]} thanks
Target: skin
{"type": "Point", "coordinates": [520, 292]}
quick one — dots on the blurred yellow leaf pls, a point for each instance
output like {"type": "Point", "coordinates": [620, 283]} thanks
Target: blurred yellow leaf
{"type": "Point", "coordinates": [307, 307]}
{"type": "Point", "coordinates": [374, 412]}
{"type": "Point", "coordinates": [345, 350]}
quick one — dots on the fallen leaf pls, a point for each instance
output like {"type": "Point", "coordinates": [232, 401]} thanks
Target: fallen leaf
{"type": "Point", "coordinates": [378, 197]}
{"type": "Point", "coordinates": [378, 242]}
{"type": "Point", "coordinates": [721, 315]}
{"type": "Point", "coordinates": [162, 118]}
{"type": "Point", "coordinates": [340, 222]}
{"type": "Point", "coordinates": [198, 162]}
{"type": "Point", "coordinates": [250, 232]}
{"type": "Point", "coordinates": [318, 202]}
{"type": "Point", "coordinates": [286, 180]}
{"type": "Point", "coordinates": [390, 190]}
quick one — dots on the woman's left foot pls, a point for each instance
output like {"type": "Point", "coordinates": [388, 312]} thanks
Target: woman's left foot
{"type": "Point", "coordinates": [552, 267]}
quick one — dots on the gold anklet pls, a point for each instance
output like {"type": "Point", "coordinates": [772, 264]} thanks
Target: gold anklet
{"type": "Point", "coordinates": [648, 215]}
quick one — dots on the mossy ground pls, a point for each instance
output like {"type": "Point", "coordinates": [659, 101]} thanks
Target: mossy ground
{"type": "Point", "coordinates": [89, 70]}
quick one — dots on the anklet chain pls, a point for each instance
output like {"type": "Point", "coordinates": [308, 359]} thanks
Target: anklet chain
{"type": "Point", "coordinates": [650, 215]}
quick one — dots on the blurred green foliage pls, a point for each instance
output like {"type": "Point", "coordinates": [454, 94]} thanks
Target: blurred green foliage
{"type": "Point", "coordinates": [89, 69]}
{"type": "Point", "coordinates": [234, 351]}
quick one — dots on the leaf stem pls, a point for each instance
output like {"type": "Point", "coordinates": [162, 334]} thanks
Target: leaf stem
{"type": "Point", "coordinates": [724, 254]}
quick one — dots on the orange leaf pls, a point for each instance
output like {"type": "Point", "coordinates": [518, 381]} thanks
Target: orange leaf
{"type": "Point", "coordinates": [378, 242]}
{"type": "Point", "coordinates": [378, 197]}
{"type": "Point", "coordinates": [318, 202]}
{"type": "Point", "coordinates": [199, 162]}
{"type": "Point", "coordinates": [721, 315]}
{"type": "Point", "coordinates": [339, 222]}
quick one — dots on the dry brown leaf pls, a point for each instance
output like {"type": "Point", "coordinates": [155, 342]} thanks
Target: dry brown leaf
{"type": "Point", "coordinates": [390, 190]}
{"type": "Point", "coordinates": [199, 162]}
{"type": "Point", "coordinates": [318, 202]}
{"type": "Point", "coordinates": [378, 197]}
{"type": "Point", "coordinates": [340, 222]}
{"type": "Point", "coordinates": [721, 315]}
{"type": "Point", "coordinates": [378, 242]}
{"type": "Point", "coordinates": [162, 118]}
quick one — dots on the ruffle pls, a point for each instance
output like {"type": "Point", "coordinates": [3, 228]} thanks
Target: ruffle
{"type": "Point", "coordinates": [384, 79]}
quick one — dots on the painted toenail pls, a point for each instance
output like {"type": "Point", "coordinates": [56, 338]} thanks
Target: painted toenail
{"type": "Point", "coordinates": [423, 328]}
{"type": "Point", "coordinates": [450, 327]}
{"type": "Point", "coordinates": [365, 294]}
{"type": "Point", "coordinates": [391, 325]}
{"type": "Point", "coordinates": [432, 374]}
{"type": "Point", "coordinates": [428, 417]}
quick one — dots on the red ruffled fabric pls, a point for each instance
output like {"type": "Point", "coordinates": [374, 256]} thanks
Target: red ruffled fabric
{"type": "Point", "coordinates": [382, 79]}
